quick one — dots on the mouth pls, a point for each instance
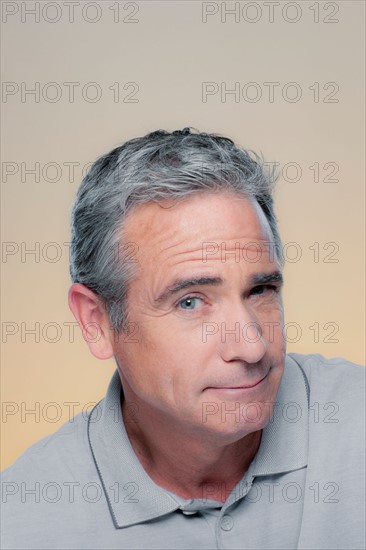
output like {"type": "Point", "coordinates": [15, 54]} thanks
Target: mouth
{"type": "Point", "coordinates": [242, 387]}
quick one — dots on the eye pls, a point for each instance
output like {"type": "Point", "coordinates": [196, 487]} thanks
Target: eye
{"type": "Point", "coordinates": [189, 303]}
{"type": "Point", "coordinates": [263, 289]}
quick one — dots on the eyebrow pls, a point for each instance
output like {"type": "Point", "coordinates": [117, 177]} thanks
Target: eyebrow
{"type": "Point", "coordinates": [267, 278]}
{"type": "Point", "coordinates": [180, 284]}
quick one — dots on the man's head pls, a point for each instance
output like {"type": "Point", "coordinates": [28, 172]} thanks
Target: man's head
{"type": "Point", "coordinates": [154, 167]}
{"type": "Point", "coordinates": [202, 288]}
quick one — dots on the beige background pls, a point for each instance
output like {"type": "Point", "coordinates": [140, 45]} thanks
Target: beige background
{"type": "Point", "coordinates": [168, 52]}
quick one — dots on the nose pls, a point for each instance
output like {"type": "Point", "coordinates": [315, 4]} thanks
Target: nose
{"type": "Point", "coordinates": [241, 337]}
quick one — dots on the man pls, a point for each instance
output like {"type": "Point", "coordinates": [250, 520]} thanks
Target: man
{"type": "Point", "coordinates": [210, 436]}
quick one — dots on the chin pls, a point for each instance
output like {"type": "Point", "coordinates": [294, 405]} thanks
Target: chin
{"type": "Point", "coordinates": [235, 428]}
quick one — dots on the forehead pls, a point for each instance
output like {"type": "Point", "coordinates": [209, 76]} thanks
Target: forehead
{"type": "Point", "coordinates": [195, 214]}
{"type": "Point", "coordinates": [176, 234]}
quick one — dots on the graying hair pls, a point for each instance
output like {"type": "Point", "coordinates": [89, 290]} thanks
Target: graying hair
{"type": "Point", "coordinates": [155, 167]}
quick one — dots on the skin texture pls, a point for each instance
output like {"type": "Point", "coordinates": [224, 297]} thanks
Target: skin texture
{"type": "Point", "coordinates": [192, 425]}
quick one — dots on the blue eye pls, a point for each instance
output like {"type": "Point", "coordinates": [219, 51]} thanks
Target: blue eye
{"type": "Point", "coordinates": [189, 303]}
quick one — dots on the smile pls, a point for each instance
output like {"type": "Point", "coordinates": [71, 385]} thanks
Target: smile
{"type": "Point", "coordinates": [238, 388]}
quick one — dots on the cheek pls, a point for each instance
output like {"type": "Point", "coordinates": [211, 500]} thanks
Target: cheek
{"type": "Point", "coordinates": [184, 361]}
{"type": "Point", "coordinates": [272, 327]}
{"type": "Point", "coordinates": [163, 362]}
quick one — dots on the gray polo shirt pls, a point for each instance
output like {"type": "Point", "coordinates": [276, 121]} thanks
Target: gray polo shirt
{"type": "Point", "coordinates": [84, 488]}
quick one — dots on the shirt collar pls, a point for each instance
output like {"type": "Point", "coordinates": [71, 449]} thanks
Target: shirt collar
{"type": "Point", "coordinates": [133, 497]}
{"type": "Point", "coordinates": [284, 443]}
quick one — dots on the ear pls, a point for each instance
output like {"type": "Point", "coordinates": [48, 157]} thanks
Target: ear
{"type": "Point", "coordinates": [93, 320]}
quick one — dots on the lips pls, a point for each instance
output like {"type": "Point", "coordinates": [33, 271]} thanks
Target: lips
{"type": "Point", "coordinates": [241, 387]}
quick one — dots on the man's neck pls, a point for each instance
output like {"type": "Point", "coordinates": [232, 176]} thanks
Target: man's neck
{"type": "Point", "coordinates": [185, 465]}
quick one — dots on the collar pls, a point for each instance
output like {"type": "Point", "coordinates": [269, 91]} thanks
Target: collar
{"type": "Point", "coordinates": [133, 497]}
{"type": "Point", "coordinates": [284, 443]}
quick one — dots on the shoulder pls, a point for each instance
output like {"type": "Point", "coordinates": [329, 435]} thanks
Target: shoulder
{"type": "Point", "coordinates": [337, 405]}
{"type": "Point", "coordinates": [38, 488]}
{"type": "Point", "coordinates": [332, 376]}
{"type": "Point", "coordinates": [316, 361]}
{"type": "Point", "coordinates": [62, 450]}
{"type": "Point", "coordinates": [335, 477]}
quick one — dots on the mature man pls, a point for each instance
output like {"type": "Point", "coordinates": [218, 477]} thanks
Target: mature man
{"type": "Point", "coordinates": [209, 436]}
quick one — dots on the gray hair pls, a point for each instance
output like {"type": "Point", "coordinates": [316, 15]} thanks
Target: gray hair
{"type": "Point", "coordinates": [155, 167]}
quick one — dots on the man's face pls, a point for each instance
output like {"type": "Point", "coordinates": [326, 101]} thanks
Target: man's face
{"type": "Point", "coordinates": [207, 309]}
